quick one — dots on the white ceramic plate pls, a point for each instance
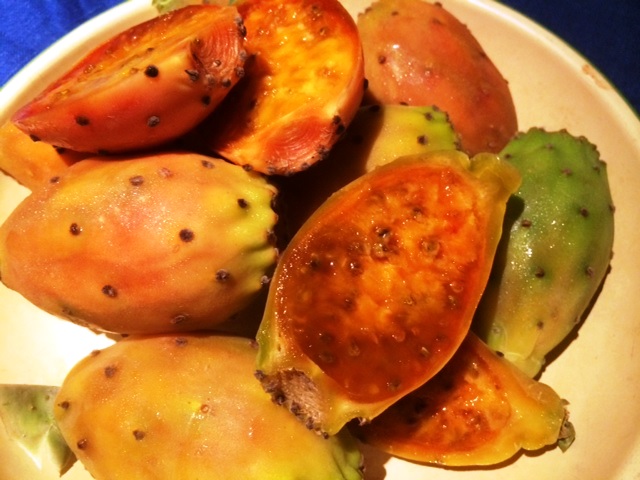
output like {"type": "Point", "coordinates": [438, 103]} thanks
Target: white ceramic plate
{"type": "Point", "coordinates": [599, 372]}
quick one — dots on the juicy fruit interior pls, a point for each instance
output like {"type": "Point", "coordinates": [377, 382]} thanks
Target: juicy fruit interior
{"type": "Point", "coordinates": [377, 289]}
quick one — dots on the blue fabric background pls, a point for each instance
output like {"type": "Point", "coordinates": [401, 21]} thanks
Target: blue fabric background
{"type": "Point", "coordinates": [606, 32]}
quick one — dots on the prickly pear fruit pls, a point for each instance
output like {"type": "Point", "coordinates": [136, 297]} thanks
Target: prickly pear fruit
{"type": "Point", "coordinates": [185, 407]}
{"type": "Point", "coordinates": [167, 242]}
{"type": "Point", "coordinates": [480, 409]}
{"type": "Point", "coordinates": [377, 135]}
{"type": "Point", "coordinates": [143, 87]}
{"type": "Point", "coordinates": [556, 248]}
{"type": "Point", "coordinates": [418, 53]}
{"type": "Point", "coordinates": [26, 411]}
{"type": "Point", "coordinates": [31, 163]}
{"type": "Point", "coordinates": [304, 83]}
{"type": "Point", "coordinates": [376, 291]}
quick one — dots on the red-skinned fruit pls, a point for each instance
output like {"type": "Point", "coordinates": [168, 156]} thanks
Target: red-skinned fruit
{"type": "Point", "coordinates": [376, 291]}
{"type": "Point", "coordinates": [304, 83]}
{"type": "Point", "coordinates": [143, 87]}
{"type": "Point", "coordinates": [480, 409]}
{"type": "Point", "coordinates": [418, 53]}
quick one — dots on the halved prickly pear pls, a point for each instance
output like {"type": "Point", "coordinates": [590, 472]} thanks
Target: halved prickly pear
{"type": "Point", "coordinates": [478, 410]}
{"type": "Point", "coordinates": [304, 83]}
{"type": "Point", "coordinates": [188, 407]}
{"type": "Point", "coordinates": [377, 289]}
{"type": "Point", "coordinates": [26, 412]}
{"type": "Point", "coordinates": [418, 53]}
{"type": "Point", "coordinates": [556, 249]}
{"type": "Point", "coordinates": [31, 163]}
{"type": "Point", "coordinates": [145, 86]}
{"type": "Point", "coordinates": [377, 135]}
{"type": "Point", "coordinates": [166, 242]}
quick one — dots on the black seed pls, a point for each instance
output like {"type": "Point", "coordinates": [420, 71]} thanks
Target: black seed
{"type": "Point", "coordinates": [186, 235]}
{"type": "Point", "coordinates": [60, 150]}
{"type": "Point", "coordinates": [35, 138]}
{"type": "Point", "coordinates": [82, 121]}
{"type": "Point", "coordinates": [540, 272]}
{"type": "Point", "coordinates": [75, 229]}
{"type": "Point", "coordinates": [110, 371]}
{"type": "Point", "coordinates": [179, 319]}
{"type": "Point", "coordinates": [138, 434]}
{"type": "Point", "coordinates": [181, 341]}
{"type": "Point", "coordinates": [243, 203]}
{"type": "Point", "coordinates": [226, 83]}
{"type": "Point", "coordinates": [499, 353]}
{"type": "Point", "coordinates": [540, 325]}
{"type": "Point", "coordinates": [136, 180]}
{"type": "Point", "coordinates": [64, 404]}
{"type": "Point", "coordinates": [584, 212]}
{"type": "Point", "coordinates": [55, 179]}
{"type": "Point", "coordinates": [382, 59]}
{"type": "Point", "coordinates": [223, 275]}
{"type": "Point", "coordinates": [526, 223]}
{"type": "Point", "coordinates": [82, 444]}
{"type": "Point", "coordinates": [247, 168]}
{"type": "Point", "coordinates": [422, 140]}
{"type": "Point", "coordinates": [109, 291]}
{"type": "Point", "coordinates": [151, 71]}
{"type": "Point", "coordinates": [206, 100]}
{"type": "Point", "coordinates": [194, 75]}
{"type": "Point", "coordinates": [153, 121]}
{"type": "Point", "coordinates": [207, 164]}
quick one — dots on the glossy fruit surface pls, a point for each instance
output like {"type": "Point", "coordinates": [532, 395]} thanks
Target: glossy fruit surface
{"type": "Point", "coordinates": [143, 87]}
{"type": "Point", "coordinates": [418, 53]}
{"type": "Point", "coordinates": [376, 291]}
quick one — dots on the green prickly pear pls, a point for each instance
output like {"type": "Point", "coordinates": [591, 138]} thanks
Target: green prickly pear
{"type": "Point", "coordinates": [26, 411]}
{"type": "Point", "coordinates": [377, 135]}
{"type": "Point", "coordinates": [556, 249]}
{"type": "Point", "coordinates": [376, 291]}
{"type": "Point", "coordinates": [189, 407]}
{"type": "Point", "coordinates": [166, 242]}
{"type": "Point", "coordinates": [143, 87]}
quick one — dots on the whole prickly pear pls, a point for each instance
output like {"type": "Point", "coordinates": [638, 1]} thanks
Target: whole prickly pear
{"type": "Point", "coordinates": [376, 291]}
{"type": "Point", "coordinates": [416, 52]}
{"type": "Point", "coordinates": [166, 242]}
{"type": "Point", "coordinates": [185, 407]}
{"type": "Point", "coordinates": [556, 248]}
{"type": "Point", "coordinates": [143, 87]}
{"type": "Point", "coordinates": [480, 409]}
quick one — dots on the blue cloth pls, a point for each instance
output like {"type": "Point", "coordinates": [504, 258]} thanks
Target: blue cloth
{"type": "Point", "coordinates": [606, 32]}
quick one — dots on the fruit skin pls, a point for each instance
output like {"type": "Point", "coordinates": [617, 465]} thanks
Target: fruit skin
{"type": "Point", "coordinates": [480, 409]}
{"type": "Point", "coordinates": [145, 86]}
{"type": "Point", "coordinates": [377, 289]}
{"type": "Point", "coordinates": [168, 242]}
{"type": "Point", "coordinates": [26, 412]}
{"type": "Point", "coordinates": [418, 53]}
{"type": "Point", "coordinates": [31, 163]}
{"type": "Point", "coordinates": [377, 135]}
{"type": "Point", "coordinates": [304, 83]}
{"type": "Point", "coordinates": [185, 407]}
{"type": "Point", "coordinates": [556, 250]}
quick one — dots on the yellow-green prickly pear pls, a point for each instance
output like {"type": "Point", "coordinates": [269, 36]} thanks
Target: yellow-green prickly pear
{"type": "Point", "coordinates": [184, 407]}
{"type": "Point", "coordinates": [166, 242]}
{"type": "Point", "coordinates": [556, 249]}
